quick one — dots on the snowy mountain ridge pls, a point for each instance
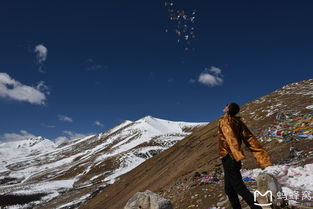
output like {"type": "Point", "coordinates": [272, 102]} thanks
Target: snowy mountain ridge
{"type": "Point", "coordinates": [16, 150]}
{"type": "Point", "coordinates": [38, 165]}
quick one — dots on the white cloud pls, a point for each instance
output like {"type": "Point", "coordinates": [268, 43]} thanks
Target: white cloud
{"type": "Point", "coordinates": [65, 118]}
{"type": "Point", "coordinates": [212, 77]}
{"type": "Point", "coordinates": [68, 135]}
{"type": "Point", "coordinates": [41, 55]}
{"type": "Point", "coordinates": [59, 140]}
{"type": "Point", "coordinates": [98, 123]}
{"type": "Point", "coordinates": [22, 135]}
{"type": "Point", "coordinates": [216, 70]}
{"type": "Point", "coordinates": [12, 89]}
{"type": "Point", "coordinates": [41, 86]}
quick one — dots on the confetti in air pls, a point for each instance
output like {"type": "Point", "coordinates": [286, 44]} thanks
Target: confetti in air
{"type": "Point", "coordinates": [183, 25]}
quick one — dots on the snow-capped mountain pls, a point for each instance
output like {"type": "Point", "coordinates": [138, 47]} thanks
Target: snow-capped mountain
{"type": "Point", "coordinates": [17, 150]}
{"type": "Point", "coordinates": [78, 167]}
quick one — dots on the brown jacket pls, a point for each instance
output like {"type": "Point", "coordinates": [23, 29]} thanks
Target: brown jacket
{"type": "Point", "coordinates": [232, 131]}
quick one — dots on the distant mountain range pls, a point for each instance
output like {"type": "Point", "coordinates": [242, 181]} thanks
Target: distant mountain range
{"type": "Point", "coordinates": [39, 166]}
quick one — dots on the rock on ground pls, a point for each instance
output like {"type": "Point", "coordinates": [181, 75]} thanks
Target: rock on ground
{"type": "Point", "coordinates": [148, 200]}
{"type": "Point", "coordinates": [267, 182]}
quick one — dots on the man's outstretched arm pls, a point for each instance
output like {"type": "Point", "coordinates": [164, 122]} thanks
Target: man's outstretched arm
{"type": "Point", "coordinates": [260, 154]}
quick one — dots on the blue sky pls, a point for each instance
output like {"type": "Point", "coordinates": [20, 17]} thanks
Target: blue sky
{"type": "Point", "coordinates": [80, 67]}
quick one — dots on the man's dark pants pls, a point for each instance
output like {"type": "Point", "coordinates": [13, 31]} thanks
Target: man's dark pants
{"type": "Point", "coordinates": [234, 184]}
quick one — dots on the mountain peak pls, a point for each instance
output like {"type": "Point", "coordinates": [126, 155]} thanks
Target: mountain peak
{"type": "Point", "coordinates": [34, 141]}
{"type": "Point", "coordinates": [148, 117]}
{"type": "Point", "coordinates": [37, 138]}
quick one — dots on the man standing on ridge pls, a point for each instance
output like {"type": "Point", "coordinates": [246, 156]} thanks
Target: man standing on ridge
{"type": "Point", "coordinates": [232, 132]}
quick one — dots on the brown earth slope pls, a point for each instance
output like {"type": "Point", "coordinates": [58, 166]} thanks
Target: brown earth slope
{"type": "Point", "coordinates": [199, 152]}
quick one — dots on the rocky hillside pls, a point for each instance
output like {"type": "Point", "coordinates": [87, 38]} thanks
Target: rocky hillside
{"type": "Point", "coordinates": [37, 173]}
{"type": "Point", "coordinates": [190, 175]}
